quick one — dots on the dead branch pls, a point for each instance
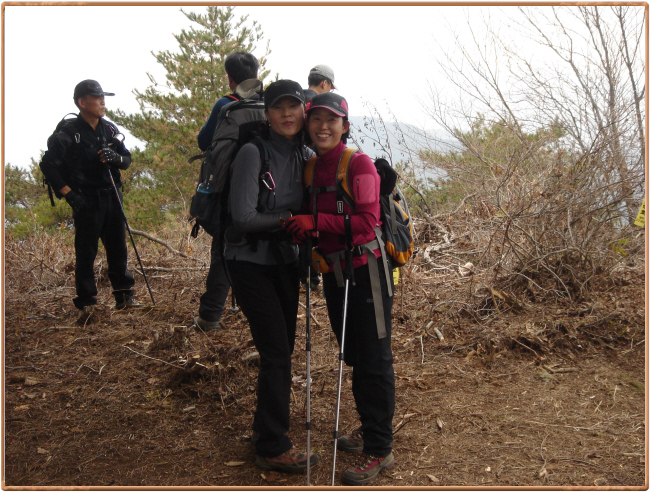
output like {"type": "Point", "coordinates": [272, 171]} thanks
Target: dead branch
{"type": "Point", "coordinates": [159, 241]}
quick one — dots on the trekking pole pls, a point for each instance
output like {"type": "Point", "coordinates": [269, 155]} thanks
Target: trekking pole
{"type": "Point", "coordinates": [234, 308]}
{"type": "Point", "coordinates": [348, 275]}
{"type": "Point", "coordinates": [307, 259]}
{"type": "Point", "coordinates": [128, 228]}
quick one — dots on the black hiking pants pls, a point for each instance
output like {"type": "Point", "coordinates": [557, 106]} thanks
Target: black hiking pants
{"type": "Point", "coordinates": [101, 219]}
{"type": "Point", "coordinates": [216, 285]}
{"type": "Point", "coordinates": [371, 358]}
{"type": "Point", "coordinates": [268, 296]}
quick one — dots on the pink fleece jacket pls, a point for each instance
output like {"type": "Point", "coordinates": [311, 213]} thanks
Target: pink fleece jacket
{"type": "Point", "coordinates": [365, 188]}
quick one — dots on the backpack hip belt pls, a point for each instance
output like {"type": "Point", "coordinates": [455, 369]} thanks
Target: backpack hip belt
{"type": "Point", "coordinates": [368, 249]}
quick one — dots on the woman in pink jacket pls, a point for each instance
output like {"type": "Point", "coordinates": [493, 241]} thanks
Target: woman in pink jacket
{"type": "Point", "coordinates": [342, 224]}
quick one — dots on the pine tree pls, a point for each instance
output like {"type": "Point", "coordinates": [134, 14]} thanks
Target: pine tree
{"type": "Point", "coordinates": [160, 182]}
{"type": "Point", "coordinates": [27, 204]}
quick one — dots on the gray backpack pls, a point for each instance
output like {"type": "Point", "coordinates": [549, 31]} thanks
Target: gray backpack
{"type": "Point", "coordinates": [238, 123]}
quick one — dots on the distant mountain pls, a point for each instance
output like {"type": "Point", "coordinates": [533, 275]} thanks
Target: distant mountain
{"type": "Point", "coordinates": [375, 140]}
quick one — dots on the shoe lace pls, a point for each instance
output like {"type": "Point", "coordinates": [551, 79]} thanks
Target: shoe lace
{"type": "Point", "coordinates": [356, 434]}
{"type": "Point", "coordinates": [293, 454]}
{"type": "Point", "coordinates": [364, 460]}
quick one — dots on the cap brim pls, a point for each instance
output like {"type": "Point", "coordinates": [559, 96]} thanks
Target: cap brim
{"type": "Point", "coordinates": [97, 94]}
{"type": "Point", "coordinates": [337, 113]}
{"type": "Point", "coordinates": [285, 95]}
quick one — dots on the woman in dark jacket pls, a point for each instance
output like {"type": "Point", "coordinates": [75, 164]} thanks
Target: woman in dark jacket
{"type": "Point", "coordinates": [338, 227]}
{"type": "Point", "coordinates": [263, 264]}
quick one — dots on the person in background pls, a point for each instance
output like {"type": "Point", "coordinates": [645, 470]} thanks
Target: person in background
{"type": "Point", "coordinates": [320, 80]}
{"type": "Point", "coordinates": [241, 69]}
{"type": "Point", "coordinates": [77, 164]}
{"type": "Point", "coordinates": [367, 345]}
{"type": "Point", "coordinates": [263, 264]}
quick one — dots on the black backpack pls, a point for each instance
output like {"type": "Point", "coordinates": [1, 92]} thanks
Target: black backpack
{"type": "Point", "coordinates": [238, 123]}
{"type": "Point", "coordinates": [77, 138]}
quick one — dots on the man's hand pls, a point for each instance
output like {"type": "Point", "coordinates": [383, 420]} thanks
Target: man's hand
{"type": "Point", "coordinates": [109, 156]}
{"type": "Point", "coordinates": [76, 201]}
{"type": "Point", "coordinates": [301, 227]}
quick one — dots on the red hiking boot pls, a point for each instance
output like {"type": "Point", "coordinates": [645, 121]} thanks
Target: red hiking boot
{"type": "Point", "coordinates": [352, 442]}
{"type": "Point", "coordinates": [366, 468]}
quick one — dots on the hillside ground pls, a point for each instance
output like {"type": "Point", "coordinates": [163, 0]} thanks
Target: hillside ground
{"type": "Point", "coordinates": [550, 395]}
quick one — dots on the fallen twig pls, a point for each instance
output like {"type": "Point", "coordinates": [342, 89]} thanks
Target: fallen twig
{"type": "Point", "coordinates": [311, 315]}
{"type": "Point", "coordinates": [591, 464]}
{"type": "Point", "coordinates": [422, 348]}
{"type": "Point", "coordinates": [400, 426]}
{"type": "Point", "coordinates": [525, 346]}
{"type": "Point", "coordinates": [43, 316]}
{"type": "Point", "coordinates": [560, 370]}
{"type": "Point", "coordinates": [566, 425]}
{"type": "Point", "coordinates": [152, 358]}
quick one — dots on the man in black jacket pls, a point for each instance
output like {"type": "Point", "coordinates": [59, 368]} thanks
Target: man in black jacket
{"type": "Point", "coordinates": [77, 163]}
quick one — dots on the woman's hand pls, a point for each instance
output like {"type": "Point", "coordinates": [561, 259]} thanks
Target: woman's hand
{"type": "Point", "coordinates": [301, 227]}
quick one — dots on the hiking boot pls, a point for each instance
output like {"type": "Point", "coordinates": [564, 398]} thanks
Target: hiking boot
{"type": "Point", "coordinates": [128, 304]}
{"type": "Point", "coordinates": [366, 468]}
{"type": "Point", "coordinates": [207, 325]}
{"type": "Point", "coordinates": [352, 442]}
{"type": "Point", "coordinates": [292, 461]}
{"type": "Point", "coordinates": [314, 284]}
{"type": "Point", "coordinates": [255, 436]}
{"type": "Point", "coordinates": [86, 314]}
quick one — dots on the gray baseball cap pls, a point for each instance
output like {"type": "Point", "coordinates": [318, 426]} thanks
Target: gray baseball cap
{"type": "Point", "coordinates": [325, 71]}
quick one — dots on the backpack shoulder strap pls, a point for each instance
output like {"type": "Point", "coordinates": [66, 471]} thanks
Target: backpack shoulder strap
{"type": "Point", "coordinates": [112, 128]}
{"type": "Point", "coordinates": [265, 154]}
{"type": "Point", "coordinates": [310, 169]}
{"type": "Point", "coordinates": [343, 178]}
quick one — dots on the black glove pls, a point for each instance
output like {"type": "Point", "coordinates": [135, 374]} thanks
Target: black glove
{"type": "Point", "coordinates": [111, 157]}
{"type": "Point", "coordinates": [76, 201]}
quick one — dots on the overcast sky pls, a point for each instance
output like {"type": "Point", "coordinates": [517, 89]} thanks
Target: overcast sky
{"type": "Point", "coordinates": [379, 54]}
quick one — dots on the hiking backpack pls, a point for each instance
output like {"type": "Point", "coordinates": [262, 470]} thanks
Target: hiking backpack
{"type": "Point", "coordinates": [396, 230]}
{"type": "Point", "coordinates": [238, 123]}
{"type": "Point", "coordinates": [51, 193]}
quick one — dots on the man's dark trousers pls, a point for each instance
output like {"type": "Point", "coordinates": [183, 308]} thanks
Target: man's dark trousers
{"type": "Point", "coordinates": [216, 285]}
{"type": "Point", "coordinates": [101, 219]}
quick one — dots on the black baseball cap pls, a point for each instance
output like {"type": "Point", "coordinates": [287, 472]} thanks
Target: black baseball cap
{"type": "Point", "coordinates": [330, 101]}
{"type": "Point", "coordinates": [282, 88]}
{"type": "Point", "coordinates": [89, 88]}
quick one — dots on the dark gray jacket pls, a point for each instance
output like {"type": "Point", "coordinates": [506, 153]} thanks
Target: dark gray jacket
{"type": "Point", "coordinates": [255, 209]}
